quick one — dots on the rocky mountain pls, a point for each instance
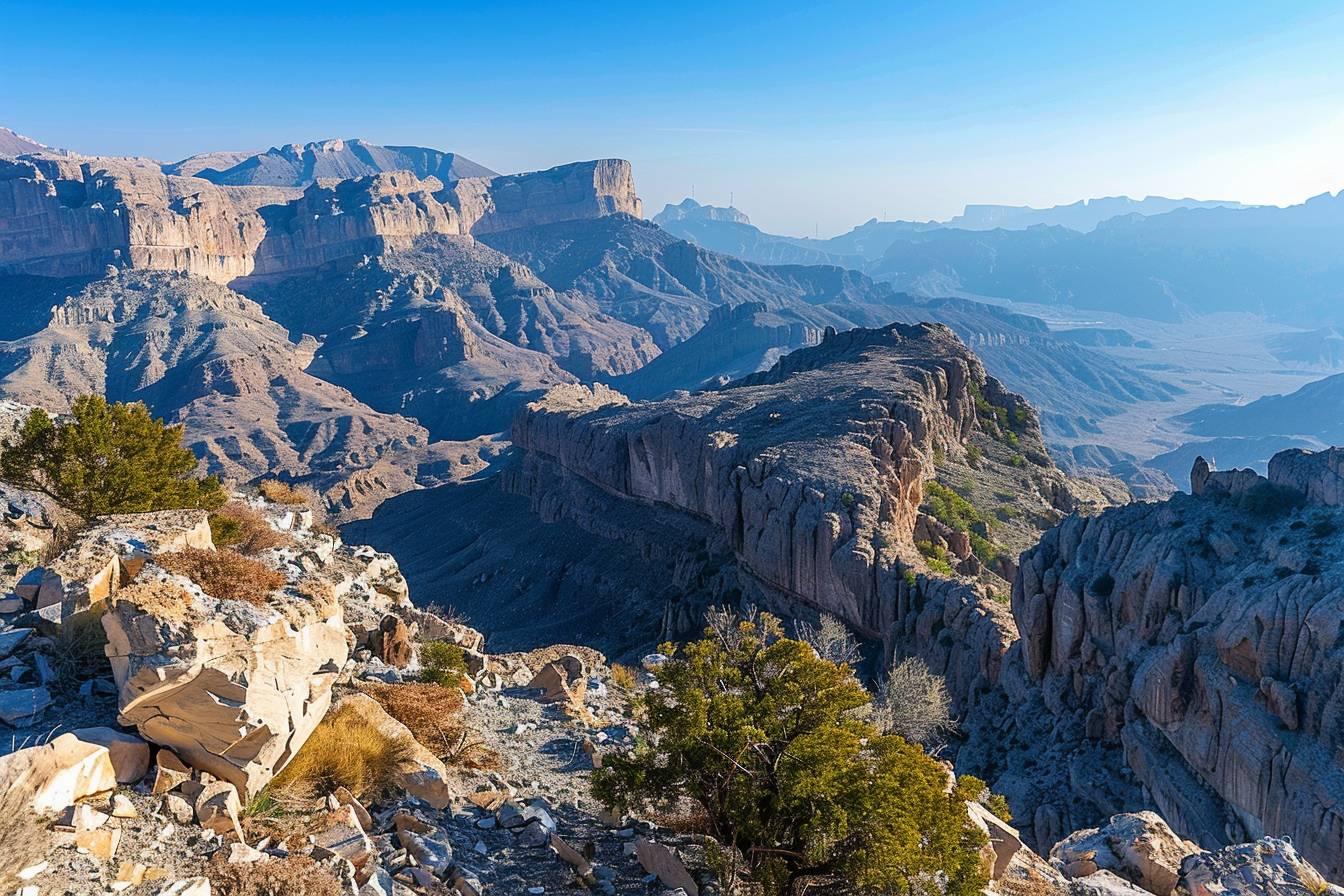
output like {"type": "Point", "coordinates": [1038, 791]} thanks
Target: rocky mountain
{"type": "Point", "coordinates": [1278, 262]}
{"type": "Point", "coordinates": [293, 165]}
{"type": "Point", "coordinates": [72, 217]}
{"type": "Point", "coordinates": [197, 353]}
{"type": "Point", "coordinates": [729, 231]}
{"type": "Point", "coordinates": [1311, 412]}
{"type": "Point", "coordinates": [12, 144]}
{"type": "Point", "coordinates": [1083, 215]}
{"type": "Point", "coordinates": [800, 488]}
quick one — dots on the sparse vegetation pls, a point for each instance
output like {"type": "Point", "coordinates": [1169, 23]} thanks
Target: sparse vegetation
{"type": "Point", "coordinates": [912, 702]}
{"type": "Point", "coordinates": [974, 455]}
{"type": "Point", "coordinates": [244, 528]}
{"type": "Point", "coordinates": [832, 641]}
{"type": "Point", "coordinates": [224, 575]}
{"type": "Point", "coordinates": [767, 739]}
{"type": "Point", "coordinates": [79, 654]}
{"type": "Point", "coordinates": [344, 750]}
{"type": "Point", "coordinates": [442, 663]}
{"type": "Point", "coordinates": [1268, 500]}
{"type": "Point", "coordinates": [433, 714]}
{"type": "Point", "coordinates": [281, 492]}
{"type": "Point", "coordinates": [291, 876]}
{"type": "Point", "coordinates": [623, 678]}
{"type": "Point", "coordinates": [954, 511]}
{"type": "Point", "coordinates": [107, 458]}
{"type": "Point", "coordinates": [973, 789]}
{"type": "Point", "coordinates": [847, 499]}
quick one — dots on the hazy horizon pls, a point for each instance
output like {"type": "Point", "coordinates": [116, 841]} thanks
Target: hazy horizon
{"type": "Point", "coordinates": [811, 121]}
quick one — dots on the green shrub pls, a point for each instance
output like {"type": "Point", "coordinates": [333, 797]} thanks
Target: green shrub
{"type": "Point", "coordinates": [974, 455]}
{"type": "Point", "coordinates": [766, 739]}
{"type": "Point", "coordinates": [107, 458]}
{"type": "Point", "coordinates": [442, 662]}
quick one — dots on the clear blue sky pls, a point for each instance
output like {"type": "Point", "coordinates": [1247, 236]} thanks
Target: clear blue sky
{"type": "Point", "coordinates": [815, 116]}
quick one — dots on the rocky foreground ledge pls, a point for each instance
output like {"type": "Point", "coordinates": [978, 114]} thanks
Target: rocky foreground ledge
{"type": "Point", "coordinates": [162, 768]}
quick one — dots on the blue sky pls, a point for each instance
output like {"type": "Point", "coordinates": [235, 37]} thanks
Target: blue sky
{"type": "Point", "coordinates": [814, 117]}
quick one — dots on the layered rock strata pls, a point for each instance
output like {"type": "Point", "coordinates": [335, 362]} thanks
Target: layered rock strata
{"type": "Point", "coordinates": [69, 216]}
{"type": "Point", "coordinates": [1201, 640]}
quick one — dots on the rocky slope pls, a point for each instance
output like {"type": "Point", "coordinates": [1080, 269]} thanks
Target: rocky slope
{"type": "Point", "coordinates": [198, 353]}
{"type": "Point", "coordinates": [799, 488]}
{"type": "Point", "coordinates": [1198, 641]}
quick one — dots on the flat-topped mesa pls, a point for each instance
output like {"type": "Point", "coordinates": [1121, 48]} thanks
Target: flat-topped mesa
{"type": "Point", "coordinates": [812, 474]}
{"type": "Point", "coordinates": [1200, 641]}
{"type": "Point", "coordinates": [73, 216]}
{"type": "Point", "coordinates": [570, 192]}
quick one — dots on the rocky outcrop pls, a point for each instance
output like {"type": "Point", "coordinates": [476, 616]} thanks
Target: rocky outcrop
{"type": "Point", "coordinates": [567, 193]}
{"type": "Point", "coordinates": [811, 474]}
{"type": "Point", "coordinates": [1199, 641]}
{"type": "Point", "coordinates": [72, 216]}
{"type": "Point", "coordinates": [1267, 867]}
{"type": "Point", "coordinates": [1139, 848]}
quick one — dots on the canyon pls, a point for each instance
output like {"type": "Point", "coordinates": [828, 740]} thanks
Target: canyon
{"type": "Point", "coordinates": [577, 426]}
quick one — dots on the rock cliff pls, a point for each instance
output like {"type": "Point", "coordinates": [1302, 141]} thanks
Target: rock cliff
{"type": "Point", "coordinates": [803, 488]}
{"type": "Point", "coordinates": [1199, 641]}
{"type": "Point", "coordinates": [293, 165]}
{"type": "Point", "coordinates": [63, 216]}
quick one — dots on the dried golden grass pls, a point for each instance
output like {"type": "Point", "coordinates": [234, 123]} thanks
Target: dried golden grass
{"type": "Point", "coordinates": [224, 575]}
{"type": "Point", "coordinates": [290, 876]}
{"type": "Point", "coordinates": [245, 529]}
{"type": "Point", "coordinates": [433, 714]}
{"type": "Point", "coordinates": [623, 678]}
{"type": "Point", "coordinates": [281, 492]}
{"type": "Point", "coordinates": [345, 750]}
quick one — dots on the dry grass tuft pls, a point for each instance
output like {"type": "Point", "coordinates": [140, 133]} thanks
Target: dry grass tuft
{"type": "Point", "coordinates": [281, 492]}
{"type": "Point", "coordinates": [623, 678]}
{"type": "Point", "coordinates": [291, 876]}
{"type": "Point", "coordinates": [224, 575]}
{"type": "Point", "coordinates": [245, 529]}
{"type": "Point", "coordinates": [345, 750]}
{"type": "Point", "coordinates": [433, 713]}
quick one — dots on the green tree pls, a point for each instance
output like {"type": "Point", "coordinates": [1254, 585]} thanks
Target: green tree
{"type": "Point", "coordinates": [771, 742]}
{"type": "Point", "coordinates": [107, 458]}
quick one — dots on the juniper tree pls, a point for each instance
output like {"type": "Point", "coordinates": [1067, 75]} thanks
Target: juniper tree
{"type": "Point", "coordinates": [771, 742]}
{"type": "Point", "coordinates": [106, 458]}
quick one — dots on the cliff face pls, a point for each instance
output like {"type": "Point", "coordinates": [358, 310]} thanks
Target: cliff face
{"type": "Point", "coordinates": [812, 474]}
{"type": "Point", "coordinates": [1201, 639]}
{"type": "Point", "coordinates": [67, 216]}
{"type": "Point", "coordinates": [568, 193]}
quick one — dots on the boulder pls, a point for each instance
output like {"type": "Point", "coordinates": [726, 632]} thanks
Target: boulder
{"type": "Point", "coordinates": [1139, 847]}
{"type": "Point", "coordinates": [1267, 867]}
{"type": "Point", "coordinates": [1004, 841]}
{"type": "Point", "coordinates": [234, 689]}
{"type": "Point", "coordinates": [110, 554]}
{"type": "Point", "coordinates": [58, 774]}
{"type": "Point", "coordinates": [20, 708]}
{"type": "Point", "coordinates": [217, 808]}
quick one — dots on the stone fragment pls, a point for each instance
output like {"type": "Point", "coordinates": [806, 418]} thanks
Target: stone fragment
{"type": "Point", "coordinates": [666, 865]}
{"type": "Point", "coordinates": [101, 843]}
{"type": "Point", "coordinates": [58, 774]}
{"type": "Point", "coordinates": [21, 707]}
{"type": "Point", "coordinates": [130, 754]}
{"type": "Point", "coordinates": [217, 809]}
{"type": "Point", "coordinates": [176, 807]}
{"type": "Point", "coordinates": [122, 807]}
{"type": "Point", "coordinates": [170, 772]}
{"type": "Point", "coordinates": [10, 640]}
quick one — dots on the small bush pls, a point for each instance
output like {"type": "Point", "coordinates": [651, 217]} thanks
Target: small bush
{"type": "Point", "coordinates": [442, 663]}
{"type": "Point", "coordinates": [974, 455]}
{"type": "Point", "coordinates": [912, 702]}
{"type": "Point", "coordinates": [1267, 499]}
{"type": "Point", "coordinates": [290, 876]}
{"type": "Point", "coordinates": [1017, 460]}
{"type": "Point", "coordinates": [106, 457]}
{"type": "Point", "coordinates": [281, 492]}
{"type": "Point", "coordinates": [623, 678]}
{"type": "Point", "coordinates": [434, 716]}
{"type": "Point", "coordinates": [847, 499]}
{"type": "Point", "coordinates": [244, 528]}
{"type": "Point", "coordinates": [79, 654]}
{"type": "Point", "coordinates": [972, 789]}
{"type": "Point", "coordinates": [344, 750]}
{"type": "Point", "coordinates": [1323, 528]}
{"type": "Point", "coordinates": [224, 575]}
